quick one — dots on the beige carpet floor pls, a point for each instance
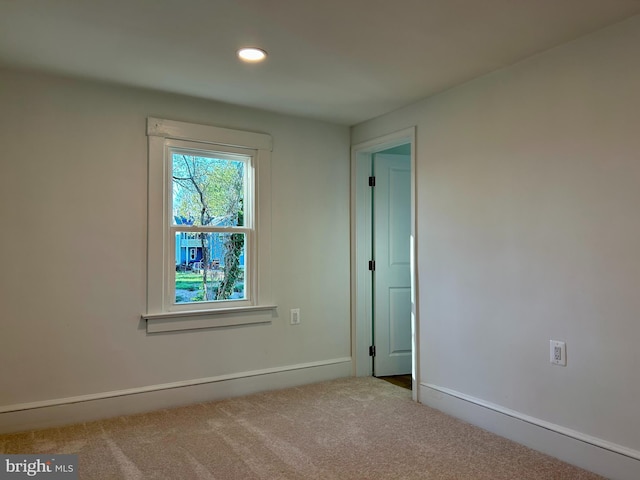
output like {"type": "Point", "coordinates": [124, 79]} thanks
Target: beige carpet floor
{"type": "Point", "coordinates": [352, 428]}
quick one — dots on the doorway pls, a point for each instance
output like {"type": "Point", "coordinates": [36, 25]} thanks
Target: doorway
{"type": "Point", "coordinates": [384, 311]}
{"type": "Point", "coordinates": [390, 273]}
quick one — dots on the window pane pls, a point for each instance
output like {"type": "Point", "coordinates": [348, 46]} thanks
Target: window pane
{"type": "Point", "coordinates": [207, 190]}
{"type": "Point", "coordinates": [209, 267]}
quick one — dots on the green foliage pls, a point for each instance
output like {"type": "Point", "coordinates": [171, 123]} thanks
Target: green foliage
{"type": "Point", "coordinates": [188, 281]}
{"type": "Point", "coordinates": [207, 189]}
{"type": "Point", "coordinates": [192, 282]}
{"type": "Point", "coordinates": [199, 297]}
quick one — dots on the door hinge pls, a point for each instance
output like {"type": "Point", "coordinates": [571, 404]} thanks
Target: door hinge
{"type": "Point", "coordinates": [372, 265]}
{"type": "Point", "coordinates": [372, 351]}
{"type": "Point", "coordinates": [372, 181]}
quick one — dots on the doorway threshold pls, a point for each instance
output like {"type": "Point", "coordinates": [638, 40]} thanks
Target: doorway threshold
{"type": "Point", "coordinates": [403, 381]}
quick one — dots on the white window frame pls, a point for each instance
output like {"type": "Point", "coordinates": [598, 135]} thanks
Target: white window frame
{"type": "Point", "coordinates": [163, 314]}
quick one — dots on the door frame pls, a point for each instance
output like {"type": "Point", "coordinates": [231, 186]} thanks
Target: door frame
{"type": "Point", "coordinates": [361, 285]}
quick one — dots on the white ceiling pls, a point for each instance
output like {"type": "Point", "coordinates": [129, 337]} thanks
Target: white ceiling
{"type": "Point", "coordinates": [343, 61]}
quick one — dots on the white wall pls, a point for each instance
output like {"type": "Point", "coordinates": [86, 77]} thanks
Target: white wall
{"type": "Point", "coordinates": [528, 202]}
{"type": "Point", "coordinates": [73, 196]}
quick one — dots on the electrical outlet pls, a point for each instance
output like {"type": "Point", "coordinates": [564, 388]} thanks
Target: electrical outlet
{"type": "Point", "coordinates": [558, 353]}
{"type": "Point", "coordinates": [295, 316]}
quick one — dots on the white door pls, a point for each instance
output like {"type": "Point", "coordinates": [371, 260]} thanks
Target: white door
{"type": "Point", "coordinates": [392, 274]}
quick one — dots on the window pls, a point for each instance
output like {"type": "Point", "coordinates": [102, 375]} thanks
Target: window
{"type": "Point", "coordinates": [209, 225]}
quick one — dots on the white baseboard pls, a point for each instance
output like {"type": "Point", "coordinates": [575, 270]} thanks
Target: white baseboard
{"type": "Point", "coordinates": [596, 455]}
{"type": "Point", "coordinates": [65, 411]}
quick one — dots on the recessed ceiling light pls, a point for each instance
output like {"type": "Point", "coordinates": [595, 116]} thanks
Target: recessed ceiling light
{"type": "Point", "coordinates": [252, 54]}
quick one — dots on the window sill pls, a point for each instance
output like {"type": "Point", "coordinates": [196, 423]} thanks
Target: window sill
{"type": "Point", "coordinates": [199, 319]}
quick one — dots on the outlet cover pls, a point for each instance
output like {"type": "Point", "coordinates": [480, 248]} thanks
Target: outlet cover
{"type": "Point", "coordinates": [295, 316]}
{"type": "Point", "coordinates": [558, 353]}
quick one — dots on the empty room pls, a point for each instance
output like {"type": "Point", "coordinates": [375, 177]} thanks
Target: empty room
{"type": "Point", "coordinates": [317, 239]}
